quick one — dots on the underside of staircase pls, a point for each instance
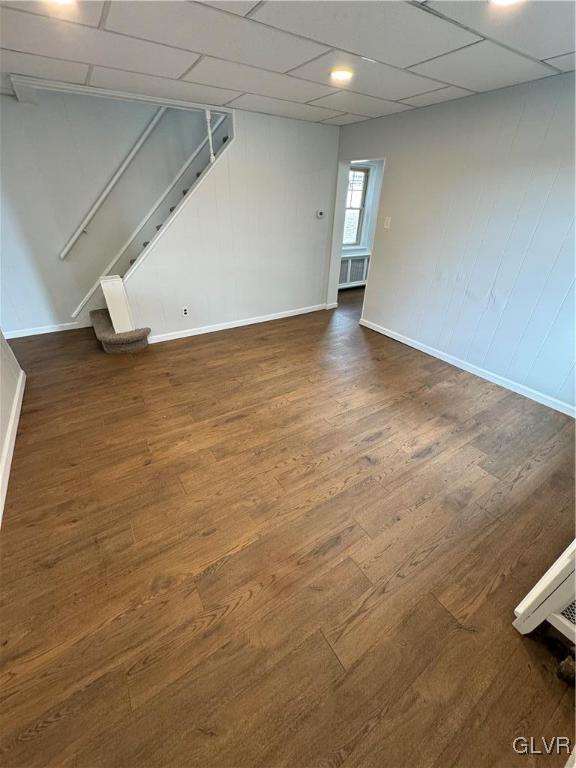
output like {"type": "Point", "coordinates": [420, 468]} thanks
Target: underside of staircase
{"type": "Point", "coordinates": [147, 231]}
{"type": "Point", "coordinates": [221, 141]}
{"type": "Point", "coordinates": [113, 325]}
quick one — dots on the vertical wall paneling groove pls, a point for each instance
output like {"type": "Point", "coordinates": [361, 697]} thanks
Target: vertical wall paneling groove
{"type": "Point", "coordinates": [12, 382]}
{"type": "Point", "coordinates": [63, 151]}
{"type": "Point", "coordinates": [247, 244]}
{"type": "Point", "coordinates": [478, 265]}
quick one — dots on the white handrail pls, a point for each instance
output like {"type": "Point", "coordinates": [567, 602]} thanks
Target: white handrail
{"type": "Point", "coordinates": [208, 115]}
{"type": "Point", "coordinates": [107, 189]}
{"type": "Point", "coordinates": [143, 221]}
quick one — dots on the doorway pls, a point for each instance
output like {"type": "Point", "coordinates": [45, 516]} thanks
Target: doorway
{"type": "Point", "coordinates": [356, 213]}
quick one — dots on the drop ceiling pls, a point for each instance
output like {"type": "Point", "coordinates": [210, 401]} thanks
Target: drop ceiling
{"type": "Point", "coordinates": [276, 56]}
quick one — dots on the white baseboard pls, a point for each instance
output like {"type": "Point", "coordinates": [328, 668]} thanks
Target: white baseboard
{"type": "Point", "coordinates": [7, 449]}
{"type": "Point", "coordinates": [331, 306]}
{"type": "Point", "coordinates": [44, 329]}
{"type": "Point", "coordinates": [539, 397]}
{"type": "Point", "coordinates": [155, 339]}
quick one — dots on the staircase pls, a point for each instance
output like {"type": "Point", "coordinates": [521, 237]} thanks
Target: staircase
{"type": "Point", "coordinates": [171, 204]}
{"type": "Point", "coordinates": [156, 220]}
{"type": "Point", "coordinates": [221, 140]}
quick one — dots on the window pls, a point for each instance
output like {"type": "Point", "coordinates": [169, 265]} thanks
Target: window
{"type": "Point", "coordinates": [355, 202]}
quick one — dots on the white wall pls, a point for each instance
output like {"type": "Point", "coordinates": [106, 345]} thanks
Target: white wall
{"type": "Point", "coordinates": [12, 381]}
{"type": "Point", "coordinates": [57, 156]}
{"type": "Point", "coordinates": [247, 243]}
{"type": "Point", "coordinates": [478, 266]}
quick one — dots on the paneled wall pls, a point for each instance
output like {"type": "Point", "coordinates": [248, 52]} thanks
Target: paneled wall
{"type": "Point", "coordinates": [57, 157]}
{"type": "Point", "coordinates": [478, 265]}
{"type": "Point", "coordinates": [12, 380]}
{"type": "Point", "coordinates": [247, 244]}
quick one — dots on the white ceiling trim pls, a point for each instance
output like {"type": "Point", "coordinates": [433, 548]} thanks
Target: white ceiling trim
{"type": "Point", "coordinates": [160, 87]}
{"type": "Point", "coordinates": [25, 88]}
{"type": "Point", "coordinates": [31, 64]}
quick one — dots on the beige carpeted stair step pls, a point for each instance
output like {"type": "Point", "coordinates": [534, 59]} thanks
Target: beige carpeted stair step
{"type": "Point", "coordinates": [112, 342]}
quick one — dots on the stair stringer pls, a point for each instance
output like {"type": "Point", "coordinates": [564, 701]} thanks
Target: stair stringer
{"type": "Point", "coordinates": [132, 249]}
{"type": "Point", "coordinates": [145, 274]}
{"type": "Point", "coordinates": [183, 205]}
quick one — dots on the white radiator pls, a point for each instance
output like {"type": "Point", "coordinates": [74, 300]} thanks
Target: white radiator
{"type": "Point", "coordinates": [353, 271]}
{"type": "Point", "coordinates": [552, 599]}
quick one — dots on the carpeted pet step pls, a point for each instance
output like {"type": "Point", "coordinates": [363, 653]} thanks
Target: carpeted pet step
{"type": "Point", "coordinates": [115, 343]}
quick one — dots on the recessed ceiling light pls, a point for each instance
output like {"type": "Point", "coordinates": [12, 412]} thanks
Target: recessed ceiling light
{"type": "Point", "coordinates": [60, 2]}
{"type": "Point", "coordinates": [506, 2]}
{"type": "Point", "coordinates": [341, 74]}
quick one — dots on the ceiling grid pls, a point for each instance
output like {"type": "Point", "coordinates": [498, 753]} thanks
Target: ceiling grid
{"type": "Point", "coordinates": [276, 56]}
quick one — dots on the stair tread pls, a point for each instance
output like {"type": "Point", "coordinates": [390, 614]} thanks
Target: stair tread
{"type": "Point", "coordinates": [105, 332]}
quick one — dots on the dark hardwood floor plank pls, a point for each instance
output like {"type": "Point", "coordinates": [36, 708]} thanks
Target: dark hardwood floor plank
{"type": "Point", "coordinates": [360, 700]}
{"type": "Point", "coordinates": [291, 544]}
{"type": "Point", "coordinates": [58, 734]}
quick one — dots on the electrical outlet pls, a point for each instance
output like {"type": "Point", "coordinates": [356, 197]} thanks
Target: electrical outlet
{"type": "Point", "coordinates": [185, 311]}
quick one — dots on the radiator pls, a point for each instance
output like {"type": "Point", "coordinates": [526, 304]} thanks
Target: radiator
{"type": "Point", "coordinates": [353, 271]}
{"type": "Point", "coordinates": [552, 599]}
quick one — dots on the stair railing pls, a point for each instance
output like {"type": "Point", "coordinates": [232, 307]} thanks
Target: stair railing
{"type": "Point", "coordinates": [112, 183]}
{"type": "Point", "coordinates": [207, 140]}
{"type": "Point", "coordinates": [208, 116]}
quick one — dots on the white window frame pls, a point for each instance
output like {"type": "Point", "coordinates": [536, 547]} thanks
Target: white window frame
{"type": "Point", "coordinates": [362, 209]}
{"type": "Point", "coordinates": [370, 212]}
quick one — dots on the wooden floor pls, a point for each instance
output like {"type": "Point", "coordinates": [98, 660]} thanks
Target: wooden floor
{"type": "Point", "coordinates": [291, 544]}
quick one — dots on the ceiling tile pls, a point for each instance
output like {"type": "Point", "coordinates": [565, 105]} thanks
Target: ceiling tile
{"type": "Point", "coordinates": [436, 97]}
{"type": "Point", "coordinates": [392, 32]}
{"type": "Point", "coordinates": [241, 7]}
{"type": "Point", "coordinates": [371, 78]}
{"type": "Point", "coordinates": [87, 12]}
{"type": "Point", "coordinates": [14, 63]}
{"type": "Point", "coordinates": [281, 108]}
{"type": "Point", "coordinates": [540, 29]}
{"type": "Point", "coordinates": [345, 119]}
{"type": "Point", "coordinates": [241, 77]}
{"type": "Point", "coordinates": [63, 40]}
{"type": "Point", "coordinates": [566, 63]}
{"type": "Point", "coordinates": [482, 67]}
{"type": "Point", "coordinates": [147, 85]}
{"type": "Point", "coordinates": [358, 104]}
{"type": "Point", "coordinates": [201, 28]}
